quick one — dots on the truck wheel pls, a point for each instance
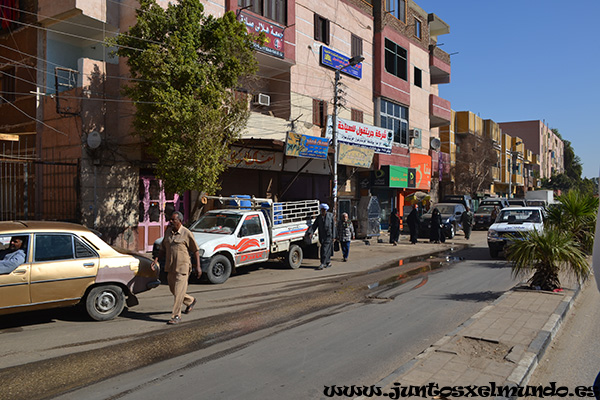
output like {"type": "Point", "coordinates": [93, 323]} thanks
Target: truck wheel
{"type": "Point", "coordinates": [105, 302]}
{"type": "Point", "coordinates": [294, 256]}
{"type": "Point", "coordinates": [219, 269]}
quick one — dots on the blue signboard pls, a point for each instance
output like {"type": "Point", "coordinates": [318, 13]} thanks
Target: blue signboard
{"type": "Point", "coordinates": [298, 145]}
{"type": "Point", "coordinates": [336, 60]}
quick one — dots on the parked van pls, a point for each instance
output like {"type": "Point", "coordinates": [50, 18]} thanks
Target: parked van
{"type": "Point", "coordinates": [463, 199]}
{"type": "Point", "coordinates": [501, 202]}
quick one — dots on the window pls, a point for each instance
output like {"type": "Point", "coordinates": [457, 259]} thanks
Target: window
{"type": "Point", "coordinates": [321, 29]}
{"type": "Point", "coordinates": [397, 8]}
{"type": "Point", "coordinates": [251, 226]}
{"type": "Point", "coordinates": [275, 10]}
{"type": "Point", "coordinates": [53, 247]}
{"type": "Point", "coordinates": [319, 112]}
{"type": "Point", "coordinates": [396, 59]}
{"type": "Point", "coordinates": [82, 250]}
{"type": "Point", "coordinates": [356, 115]}
{"type": "Point", "coordinates": [7, 85]}
{"type": "Point", "coordinates": [395, 118]}
{"type": "Point", "coordinates": [418, 77]}
{"type": "Point", "coordinates": [357, 46]}
{"type": "Point", "coordinates": [417, 28]}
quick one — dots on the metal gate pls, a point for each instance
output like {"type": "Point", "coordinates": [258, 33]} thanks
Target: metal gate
{"type": "Point", "coordinates": [38, 190]}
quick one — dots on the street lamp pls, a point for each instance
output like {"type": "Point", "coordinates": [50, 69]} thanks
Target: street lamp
{"type": "Point", "coordinates": [512, 153]}
{"type": "Point", "coordinates": [351, 62]}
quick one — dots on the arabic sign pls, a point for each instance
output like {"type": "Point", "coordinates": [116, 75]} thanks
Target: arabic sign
{"type": "Point", "coordinates": [240, 157]}
{"type": "Point", "coordinates": [355, 156]}
{"type": "Point", "coordinates": [298, 145]}
{"type": "Point", "coordinates": [422, 165]}
{"type": "Point", "coordinates": [393, 176]}
{"type": "Point", "coordinates": [357, 134]}
{"type": "Point", "coordinates": [336, 60]}
{"type": "Point", "coordinates": [273, 34]}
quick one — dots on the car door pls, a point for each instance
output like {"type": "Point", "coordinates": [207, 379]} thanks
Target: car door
{"type": "Point", "coordinates": [14, 287]}
{"type": "Point", "coordinates": [251, 245]}
{"type": "Point", "coordinates": [62, 269]}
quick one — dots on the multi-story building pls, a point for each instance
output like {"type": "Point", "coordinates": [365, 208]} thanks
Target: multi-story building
{"type": "Point", "coordinates": [514, 172]}
{"type": "Point", "coordinates": [540, 139]}
{"type": "Point", "coordinates": [71, 127]}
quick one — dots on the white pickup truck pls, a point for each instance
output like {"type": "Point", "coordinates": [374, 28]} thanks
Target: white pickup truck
{"type": "Point", "coordinates": [250, 231]}
{"type": "Point", "coordinates": [512, 222]}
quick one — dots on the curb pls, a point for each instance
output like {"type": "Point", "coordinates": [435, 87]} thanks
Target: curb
{"type": "Point", "coordinates": [536, 350]}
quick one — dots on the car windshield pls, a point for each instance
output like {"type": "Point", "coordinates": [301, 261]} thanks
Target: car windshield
{"type": "Point", "coordinates": [221, 223]}
{"type": "Point", "coordinates": [444, 209]}
{"type": "Point", "coordinates": [519, 216]}
{"type": "Point", "coordinates": [485, 210]}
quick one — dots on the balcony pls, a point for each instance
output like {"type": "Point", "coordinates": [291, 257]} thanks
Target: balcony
{"type": "Point", "coordinates": [439, 65]}
{"type": "Point", "coordinates": [79, 11]}
{"type": "Point", "coordinates": [440, 113]}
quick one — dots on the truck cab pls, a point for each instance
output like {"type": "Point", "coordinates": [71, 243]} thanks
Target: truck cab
{"type": "Point", "coordinates": [512, 223]}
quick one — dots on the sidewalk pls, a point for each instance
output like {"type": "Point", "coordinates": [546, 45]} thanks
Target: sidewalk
{"type": "Point", "coordinates": [500, 344]}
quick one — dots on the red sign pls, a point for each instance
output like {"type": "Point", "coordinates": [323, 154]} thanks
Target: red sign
{"type": "Point", "coordinates": [273, 34]}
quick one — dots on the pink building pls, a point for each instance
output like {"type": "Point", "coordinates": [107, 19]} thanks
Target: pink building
{"type": "Point", "coordinates": [540, 139]}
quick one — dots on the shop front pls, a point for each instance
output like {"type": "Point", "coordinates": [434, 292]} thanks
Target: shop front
{"type": "Point", "coordinates": [393, 183]}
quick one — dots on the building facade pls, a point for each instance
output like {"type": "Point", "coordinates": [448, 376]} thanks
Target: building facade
{"type": "Point", "coordinates": [68, 129]}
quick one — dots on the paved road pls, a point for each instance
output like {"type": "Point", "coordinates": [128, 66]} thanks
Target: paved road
{"type": "Point", "coordinates": [354, 342]}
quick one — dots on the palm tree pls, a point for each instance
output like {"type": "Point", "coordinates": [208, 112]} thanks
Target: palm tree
{"type": "Point", "coordinates": [546, 254]}
{"type": "Point", "coordinates": [576, 213]}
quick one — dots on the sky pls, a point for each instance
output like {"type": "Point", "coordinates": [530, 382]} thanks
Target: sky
{"type": "Point", "coordinates": [527, 60]}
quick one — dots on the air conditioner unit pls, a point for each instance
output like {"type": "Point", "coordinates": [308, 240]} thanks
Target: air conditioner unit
{"type": "Point", "coordinates": [262, 99]}
{"type": "Point", "coordinates": [414, 133]}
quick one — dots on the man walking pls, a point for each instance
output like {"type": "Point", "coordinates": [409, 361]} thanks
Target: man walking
{"type": "Point", "coordinates": [324, 223]}
{"type": "Point", "coordinates": [177, 245]}
{"type": "Point", "coordinates": [467, 222]}
{"type": "Point", "coordinates": [345, 235]}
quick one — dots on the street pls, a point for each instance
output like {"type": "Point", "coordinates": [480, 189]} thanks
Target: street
{"type": "Point", "coordinates": [265, 333]}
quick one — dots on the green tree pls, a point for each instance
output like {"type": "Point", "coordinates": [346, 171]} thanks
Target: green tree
{"type": "Point", "coordinates": [546, 254]}
{"type": "Point", "coordinates": [576, 213]}
{"type": "Point", "coordinates": [564, 244]}
{"type": "Point", "coordinates": [185, 65]}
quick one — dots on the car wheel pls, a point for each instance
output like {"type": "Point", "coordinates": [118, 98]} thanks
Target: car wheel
{"type": "Point", "coordinates": [452, 231]}
{"type": "Point", "coordinates": [493, 253]}
{"type": "Point", "coordinates": [219, 269]}
{"type": "Point", "coordinates": [294, 257]}
{"type": "Point", "coordinates": [105, 302]}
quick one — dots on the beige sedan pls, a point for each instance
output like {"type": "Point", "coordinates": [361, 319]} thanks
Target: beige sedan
{"type": "Point", "coordinates": [63, 264]}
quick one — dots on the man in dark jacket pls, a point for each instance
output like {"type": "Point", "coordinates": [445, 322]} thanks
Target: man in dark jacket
{"type": "Point", "coordinates": [467, 222]}
{"type": "Point", "coordinates": [324, 223]}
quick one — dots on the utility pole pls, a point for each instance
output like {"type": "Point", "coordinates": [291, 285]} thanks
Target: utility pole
{"type": "Point", "coordinates": [336, 89]}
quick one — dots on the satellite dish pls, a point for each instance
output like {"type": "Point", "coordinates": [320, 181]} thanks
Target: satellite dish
{"type": "Point", "coordinates": [94, 140]}
{"type": "Point", "coordinates": [435, 143]}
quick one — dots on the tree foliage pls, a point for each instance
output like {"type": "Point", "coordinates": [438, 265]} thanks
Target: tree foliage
{"type": "Point", "coordinates": [185, 65]}
{"type": "Point", "coordinates": [474, 162]}
{"type": "Point", "coordinates": [564, 244]}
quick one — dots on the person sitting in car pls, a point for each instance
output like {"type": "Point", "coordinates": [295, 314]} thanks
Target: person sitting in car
{"type": "Point", "coordinates": [14, 257]}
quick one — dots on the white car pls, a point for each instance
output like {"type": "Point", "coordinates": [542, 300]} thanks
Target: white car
{"type": "Point", "coordinates": [513, 222]}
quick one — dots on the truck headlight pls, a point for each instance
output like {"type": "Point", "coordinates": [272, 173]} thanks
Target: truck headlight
{"type": "Point", "coordinates": [201, 252]}
{"type": "Point", "coordinates": [492, 234]}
